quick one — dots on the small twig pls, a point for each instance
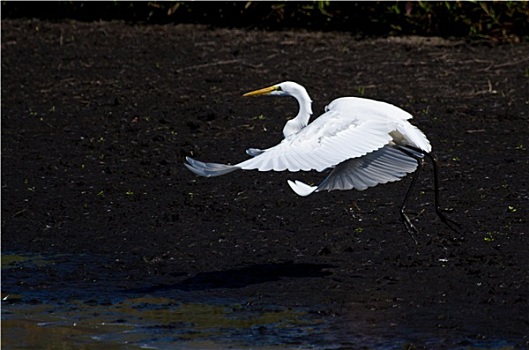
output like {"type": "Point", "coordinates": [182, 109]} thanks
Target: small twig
{"type": "Point", "coordinates": [254, 66]}
{"type": "Point", "coordinates": [206, 65]}
{"type": "Point", "coordinates": [513, 63]}
{"type": "Point", "coordinates": [19, 212]}
{"type": "Point", "coordinates": [503, 65]}
{"type": "Point", "coordinates": [327, 58]}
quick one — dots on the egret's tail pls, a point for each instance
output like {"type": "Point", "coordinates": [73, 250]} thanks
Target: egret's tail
{"type": "Point", "coordinates": [301, 188]}
{"type": "Point", "coordinates": [209, 169]}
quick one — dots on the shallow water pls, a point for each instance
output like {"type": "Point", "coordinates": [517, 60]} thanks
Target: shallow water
{"type": "Point", "coordinates": [99, 312]}
{"type": "Point", "coordinates": [149, 323]}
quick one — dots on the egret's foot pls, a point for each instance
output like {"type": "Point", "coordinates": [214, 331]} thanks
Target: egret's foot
{"type": "Point", "coordinates": [453, 225]}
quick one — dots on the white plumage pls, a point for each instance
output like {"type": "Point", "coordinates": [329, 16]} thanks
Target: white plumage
{"type": "Point", "coordinates": [365, 142]}
{"type": "Point", "coordinates": [356, 136]}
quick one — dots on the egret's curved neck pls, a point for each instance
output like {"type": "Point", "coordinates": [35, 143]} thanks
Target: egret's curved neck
{"type": "Point", "coordinates": [305, 111]}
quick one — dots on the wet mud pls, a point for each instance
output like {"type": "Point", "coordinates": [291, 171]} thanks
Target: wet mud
{"type": "Point", "coordinates": [108, 240]}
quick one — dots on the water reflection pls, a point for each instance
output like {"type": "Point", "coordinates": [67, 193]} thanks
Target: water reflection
{"type": "Point", "coordinates": [196, 312]}
{"type": "Point", "coordinates": [151, 322]}
{"type": "Point", "coordinates": [86, 315]}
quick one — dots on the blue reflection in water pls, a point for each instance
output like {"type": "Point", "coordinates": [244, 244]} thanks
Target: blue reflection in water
{"type": "Point", "coordinates": [74, 302]}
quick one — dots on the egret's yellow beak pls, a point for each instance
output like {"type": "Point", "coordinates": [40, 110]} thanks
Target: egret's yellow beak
{"type": "Point", "coordinates": [264, 91]}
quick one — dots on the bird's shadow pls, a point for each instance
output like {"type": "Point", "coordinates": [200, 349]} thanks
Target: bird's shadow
{"type": "Point", "coordinates": [242, 277]}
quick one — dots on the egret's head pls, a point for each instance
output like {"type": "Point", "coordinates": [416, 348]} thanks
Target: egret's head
{"type": "Point", "coordinates": [287, 88]}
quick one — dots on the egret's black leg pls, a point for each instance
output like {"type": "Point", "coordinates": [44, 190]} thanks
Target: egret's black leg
{"type": "Point", "coordinates": [412, 230]}
{"type": "Point", "coordinates": [447, 221]}
{"type": "Point", "coordinates": [415, 152]}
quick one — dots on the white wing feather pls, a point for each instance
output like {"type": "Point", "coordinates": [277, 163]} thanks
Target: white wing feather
{"type": "Point", "coordinates": [301, 188]}
{"type": "Point", "coordinates": [382, 166]}
{"type": "Point", "coordinates": [329, 140]}
{"type": "Point", "coordinates": [402, 131]}
{"type": "Point", "coordinates": [208, 169]}
{"type": "Point", "coordinates": [350, 135]}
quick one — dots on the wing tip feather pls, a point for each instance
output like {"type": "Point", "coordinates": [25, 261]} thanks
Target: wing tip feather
{"type": "Point", "coordinates": [301, 188]}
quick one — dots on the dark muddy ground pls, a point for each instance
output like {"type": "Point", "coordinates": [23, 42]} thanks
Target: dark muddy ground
{"type": "Point", "coordinates": [98, 117]}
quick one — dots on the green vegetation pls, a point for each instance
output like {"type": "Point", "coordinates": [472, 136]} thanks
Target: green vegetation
{"type": "Point", "coordinates": [492, 20]}
{"type": "Point", "coordinates": [489, 237]}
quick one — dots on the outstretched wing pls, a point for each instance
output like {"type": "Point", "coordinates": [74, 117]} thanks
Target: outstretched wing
{"type": "Point", "coordinates": [329, 140]}
{"type": "Point", "coordinates": [382, 166]}
{"type": "Point", "coordinates": [402, 131]}
{"type": "Point", "coordinates": [208, 169]}
{"type": "Point", "coordinates": [350, 128]}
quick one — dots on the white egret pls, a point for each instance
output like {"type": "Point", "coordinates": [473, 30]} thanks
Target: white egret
{"type": "Point", "coordinates": [365, 142]}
